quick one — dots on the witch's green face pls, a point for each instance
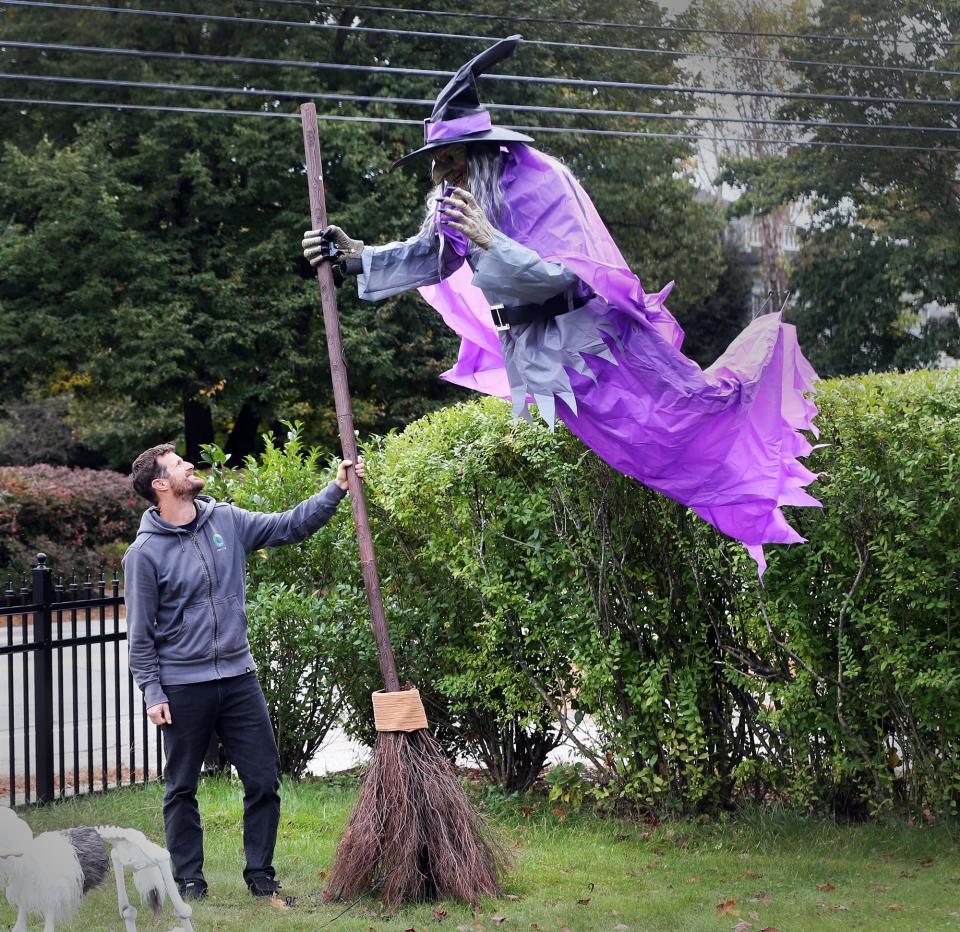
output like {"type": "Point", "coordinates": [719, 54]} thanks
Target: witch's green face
{"type": "Point", "coordinates": [450, 166]}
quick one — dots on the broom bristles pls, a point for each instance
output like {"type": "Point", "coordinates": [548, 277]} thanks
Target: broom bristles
{"type": "Point", "coordinates": [413, 834]}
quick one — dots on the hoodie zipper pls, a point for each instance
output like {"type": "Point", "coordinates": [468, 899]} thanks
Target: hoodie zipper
{"type": "Point", "coordinates": [213, 610]}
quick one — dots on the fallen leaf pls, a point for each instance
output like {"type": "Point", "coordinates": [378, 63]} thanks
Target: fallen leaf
{"type": "Point", "coordinates": [926, 862]}
{"type": "Point", "coordinates": [499, 920]}
{"type": "Point", "coordinates": [512, 896]}
{"type": "Point", "coordinates": [762, 897]}
{"type": "Point", "coordinates": [877, 887]}
{"type": "Point", "coordinates": [278, 902]}
{"type": "Point", "coordinates": [622, 836]}
{"type": "Point", "coordinates": [743, 926]}
{"type": "Point", "coordinates": [566, 870]}
{"type": "Point", "coordinates": [906, 873]}
{"type": "Point", "coordinates": [584, 902]}
{"type": "Point", "coordinates": [681, 841]}
{"type": "Point", "coordinates": [727, 907]}
{"type": "Point", "coordinates": [559, 812]}
{"type": "Point", "coordinates": [751, 875]}
{"type": "Point", "coordinates": [826, 887]}
{"type": "Point", "coordinates": [838, 908]}
{"type": "Point", "coordinates": [518, 843]}
{"type": "Point", "coordinates": [322, 875]}
{"type": "Point", "coordinates": [896, 907]}
{"type": "Point", "coordinates": [754, 915]}
{"type": "Point", "coordinates": [645, 835]}
{"type": "Point", "coordinates": [439, 914]}
{"type": "Point", "coordinates": [526, 810]}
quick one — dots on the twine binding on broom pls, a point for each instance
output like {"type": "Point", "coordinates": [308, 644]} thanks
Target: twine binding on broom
{"type": "Point", "coordinates": [398, 711]}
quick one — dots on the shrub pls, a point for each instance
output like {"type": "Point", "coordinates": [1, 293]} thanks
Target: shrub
{"type": "Point", "coordinates": [306, 609]}
{"type": "Point", "coordinates": [863, 618]}
{"type": "Point", "coordinates": [528, 586]}
{"type": "Point", "coordinates": [832, 684]}
{"type": "Point", "coordinates": [78, 517]}
{"type": "Point", "coordinates": [290, 636]}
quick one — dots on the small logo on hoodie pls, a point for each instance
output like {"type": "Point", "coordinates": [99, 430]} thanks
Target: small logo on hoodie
{"type": "Point", "coordinates": [218, 541]}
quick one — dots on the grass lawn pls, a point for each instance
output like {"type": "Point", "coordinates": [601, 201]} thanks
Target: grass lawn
{"type": "Point", "coordinates": [760, 869]}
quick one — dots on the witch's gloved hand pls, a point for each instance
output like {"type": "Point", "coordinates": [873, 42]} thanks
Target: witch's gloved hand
{"type": "Point", "coordinates": [461, 211]}
{"type": "Point", "coordinates": [330, 245]}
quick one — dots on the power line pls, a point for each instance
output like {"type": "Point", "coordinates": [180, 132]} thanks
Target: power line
{"type": "Point", "coordinates": [572, 131]}
{"type": "Point", "coordinates": [595, 23]}
{"type": "Point", "coordinates": [519, 78]}
{"type": "Point", "coordinates": [413, 101]}
{"type": "Point", "coordinates": [673, 53]}
{"type": "Point", "coordinates": [254, 20]}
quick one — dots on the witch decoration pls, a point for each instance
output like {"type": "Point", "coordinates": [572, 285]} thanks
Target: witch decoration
{"type": "Point", "coordinates": [515, 258]}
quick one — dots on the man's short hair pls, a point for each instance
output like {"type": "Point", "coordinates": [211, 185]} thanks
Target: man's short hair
{"type": "Point", "coordinates": [146, 468]}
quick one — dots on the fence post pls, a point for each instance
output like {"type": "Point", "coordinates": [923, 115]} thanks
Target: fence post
{"type": "Point", "coordinates": [43, 678]}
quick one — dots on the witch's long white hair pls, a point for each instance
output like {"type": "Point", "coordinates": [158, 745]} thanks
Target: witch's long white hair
{"type": "Point", "coordinates": [485, 162]}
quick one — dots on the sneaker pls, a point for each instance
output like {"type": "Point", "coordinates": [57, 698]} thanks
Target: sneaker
{"type": "Point", "coordinates": [263, 886]}
{"type": "Point", "coordinates": [192, 889]}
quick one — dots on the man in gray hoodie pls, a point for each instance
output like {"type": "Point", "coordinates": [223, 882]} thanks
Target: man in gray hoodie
{"type": "Point", "coordinates": [188, 651]}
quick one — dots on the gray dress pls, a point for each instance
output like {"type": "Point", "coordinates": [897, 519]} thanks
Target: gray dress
{"type": "Point", "coordinates": [536, 355]}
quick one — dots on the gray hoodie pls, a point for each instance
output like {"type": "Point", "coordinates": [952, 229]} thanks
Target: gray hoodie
{"type": "Point", "coordinates": [185, 592]}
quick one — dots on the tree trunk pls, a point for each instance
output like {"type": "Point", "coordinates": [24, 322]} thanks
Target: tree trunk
{"type": "Point", "coordinates": [244, 438]}
{"type": "Point", "coordinates": [197, 425]}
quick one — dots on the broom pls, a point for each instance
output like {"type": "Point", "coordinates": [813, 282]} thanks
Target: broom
{"type": "Point", "coordinates": [412, 835]}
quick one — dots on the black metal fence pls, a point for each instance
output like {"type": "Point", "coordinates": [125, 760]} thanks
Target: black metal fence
{"type": "Point", "coordinates": [76, 723]}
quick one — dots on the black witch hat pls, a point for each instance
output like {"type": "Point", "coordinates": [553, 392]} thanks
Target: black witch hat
{"type": "Point", "coordinates": [458, 115]}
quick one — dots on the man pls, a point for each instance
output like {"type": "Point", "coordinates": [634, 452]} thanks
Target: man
{"type": "Point", "coordinates": [188, 649]}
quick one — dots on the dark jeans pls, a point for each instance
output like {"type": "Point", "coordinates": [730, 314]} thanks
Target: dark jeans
{"type": "Point", "coordinates": [236, 710]}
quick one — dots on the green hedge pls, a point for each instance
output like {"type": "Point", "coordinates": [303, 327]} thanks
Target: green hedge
{"type": "Point", "coordinates": [526, 583]}
{"type": "Point", "coordinates": [81, 518]}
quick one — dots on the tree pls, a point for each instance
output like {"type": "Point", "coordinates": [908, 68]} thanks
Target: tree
{"type": "Point", "coordinates": [743, 52]}
{"type": "Point", "coordinates": [893, 211]}
{"type": "Point", "coordinates": [151, 260]}
{"type": "Point", "coordinates": [712, 326]}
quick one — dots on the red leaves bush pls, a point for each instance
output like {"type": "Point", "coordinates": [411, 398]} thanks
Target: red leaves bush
{"type": "Point", "coordinates": [79, 517]}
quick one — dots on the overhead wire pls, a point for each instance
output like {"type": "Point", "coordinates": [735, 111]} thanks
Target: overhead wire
{"type": "Point", "coordinates": [414, 101]}
{"type": "Point", "coordinates": [519, 78]}
{"type": "Point", "coordinates": [681, 53]}
{"type": "Point", "coordinates": [578, 131]}
{"type": "Point", "coordinates": [255, 20]}
{"type": "Point", "coordinates": [601, 24]}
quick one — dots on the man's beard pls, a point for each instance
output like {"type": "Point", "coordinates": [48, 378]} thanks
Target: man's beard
{"type": "Point", "coordinates": [188, 488]}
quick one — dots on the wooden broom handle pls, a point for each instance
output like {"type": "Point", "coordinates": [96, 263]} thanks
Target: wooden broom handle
{"type": "Point", "coordinates": [341, 398]}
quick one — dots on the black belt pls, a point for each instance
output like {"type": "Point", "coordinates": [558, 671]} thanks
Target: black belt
{"type": "Point", "coordinates": [505, 317]}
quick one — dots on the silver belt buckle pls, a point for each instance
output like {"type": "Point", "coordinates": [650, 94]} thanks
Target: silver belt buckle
{"type": "Point", "coordinates": [499, 324]}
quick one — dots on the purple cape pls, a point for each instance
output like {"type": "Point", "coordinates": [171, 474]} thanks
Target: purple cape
{"type": "Point", "coordinates": [725, 440]}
